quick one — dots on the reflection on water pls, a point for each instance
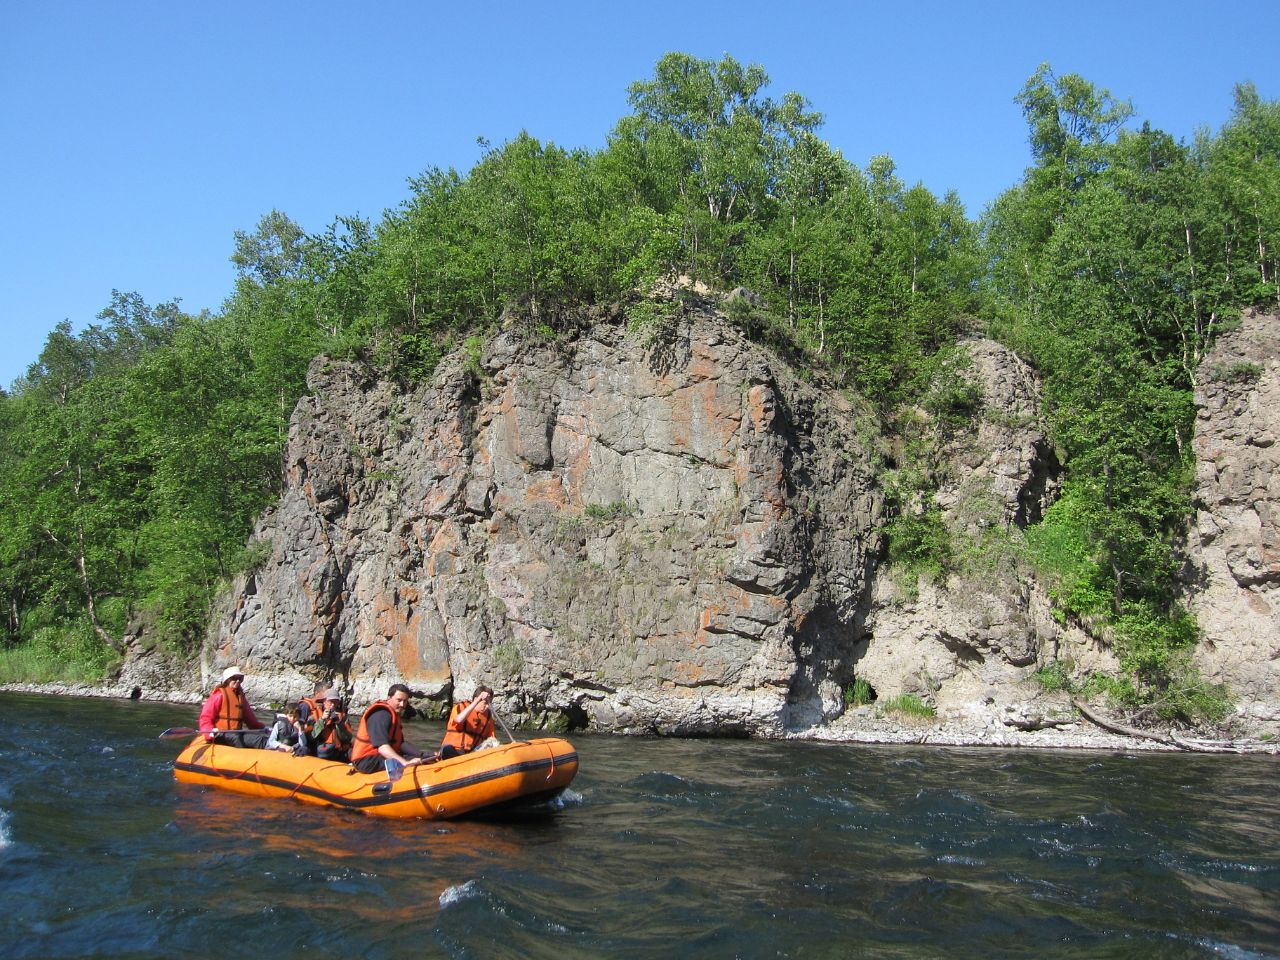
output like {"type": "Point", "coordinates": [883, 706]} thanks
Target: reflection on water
{"type": "Point", "coordinates": [663, 848]}
{"type": "Point", "coordinates": [334, 848]}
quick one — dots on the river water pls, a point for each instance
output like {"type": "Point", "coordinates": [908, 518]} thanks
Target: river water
{"type": "Point", "coordinates": [662, 848]}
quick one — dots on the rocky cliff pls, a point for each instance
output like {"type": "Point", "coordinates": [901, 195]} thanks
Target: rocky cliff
{"type": "Point", "coordinates": [685, 539]}
{"type": "Point", "coordinates": [1233, 581]}
{"type": "Point", "coordinates": [970, 643]}
{"type": "Point", "coordinates": [677, 539]}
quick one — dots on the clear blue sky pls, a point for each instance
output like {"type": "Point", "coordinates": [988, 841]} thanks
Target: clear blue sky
{"type": "Point", "coordinates": [137, 137]}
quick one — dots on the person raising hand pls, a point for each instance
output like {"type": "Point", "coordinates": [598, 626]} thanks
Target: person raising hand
{"type": "Point", "coordinates": [470, 724]}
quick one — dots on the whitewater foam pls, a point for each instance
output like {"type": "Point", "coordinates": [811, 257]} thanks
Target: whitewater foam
{"type": "Point", "coordinates": [459, 893]}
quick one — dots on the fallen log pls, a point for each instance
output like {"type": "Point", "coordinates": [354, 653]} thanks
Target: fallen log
{"type": "Point", "coordinates": [1226, 746]}
{"type": "Point", "coordinates": [1121, 729]}
{"type": "Point", "coordinates": [1037, 722]}
{"type": "Point", "coordinates": [1203, 746]}
{"type": "Point", "coordinates": [1193, 745]}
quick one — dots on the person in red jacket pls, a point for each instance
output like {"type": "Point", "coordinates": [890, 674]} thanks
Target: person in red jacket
{"type": "Point", "coordinates": [226, 709]}
{"type": "Point", "coordinates": [470, 724]}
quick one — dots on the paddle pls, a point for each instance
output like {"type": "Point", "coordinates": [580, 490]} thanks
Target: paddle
{"type": "Point", "coordinates": [503, 725]}
{"type": "Point", "coordinates": [186, 733]}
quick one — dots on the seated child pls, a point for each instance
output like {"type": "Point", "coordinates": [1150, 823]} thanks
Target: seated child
{"type": "Point", "coordinates": [287, 733]}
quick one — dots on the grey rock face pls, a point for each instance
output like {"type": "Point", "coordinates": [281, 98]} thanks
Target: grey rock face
{"type": "Point", "coordinates": [676, 541]}
{"type": "Point", "coordinates": [1234, 546]}
{"type": "Point", "coordinates": [683, 540]}
{"type": "Point", "coordinates": [1005, 474]}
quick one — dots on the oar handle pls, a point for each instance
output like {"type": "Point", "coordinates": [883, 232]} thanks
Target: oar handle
{"type": "Point", "coordinates": [186, 733]}
{"type": "Point", "coordinates": [503, 725]}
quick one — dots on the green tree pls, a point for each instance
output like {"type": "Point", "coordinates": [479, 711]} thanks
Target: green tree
{"type": "Point", "coordinates": [1114, 264]}
{"type": "Point", "coordinates": [712, 147]}
{"type": "Point", "coordinates": [74, 480]}
{"type": "Point", "coordinates": [1070, 121]}
{"type": "Point", "coordinates": [1243, 176]}
{"type": "Point", "coordinates": [273, 252]}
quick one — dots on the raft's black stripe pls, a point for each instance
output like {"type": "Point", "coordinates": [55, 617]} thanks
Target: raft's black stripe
{"type": "Point", "coordinates": [522, 767]}
{"type": "Point", "coordinates": [393, 796]}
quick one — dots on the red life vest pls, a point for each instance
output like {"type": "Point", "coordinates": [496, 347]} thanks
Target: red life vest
{"type": "Point", "coordinates": [363, 746]}
{"type": "Point", "coordinates": [469, 734]}
{"type": "Point", "coordinates": [230, 714]}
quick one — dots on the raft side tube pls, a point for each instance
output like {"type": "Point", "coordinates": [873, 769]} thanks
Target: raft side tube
{"type": "Point", "coordinates": [508, 775]}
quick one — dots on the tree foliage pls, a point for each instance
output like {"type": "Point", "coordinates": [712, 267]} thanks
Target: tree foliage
{"type": "Point", "coordinates": [135, 455]}
{"type": "Point", "coordinates": [1114, 265]}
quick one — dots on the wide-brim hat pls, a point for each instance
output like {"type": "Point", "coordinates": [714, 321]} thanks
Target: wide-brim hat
{"type": "Point", "coordinates": [230, 672]}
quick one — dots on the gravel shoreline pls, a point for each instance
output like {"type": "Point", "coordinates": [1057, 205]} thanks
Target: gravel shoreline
{"type": "Point", "coordinates": [101, 692]}
{"type": "Point", "coordinates": [854, 727]}
{"type": "Point", "coordinates": [973, 733]}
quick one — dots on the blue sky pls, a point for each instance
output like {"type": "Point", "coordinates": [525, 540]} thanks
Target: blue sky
{"type": "Point", "coordinates": [137, 137]}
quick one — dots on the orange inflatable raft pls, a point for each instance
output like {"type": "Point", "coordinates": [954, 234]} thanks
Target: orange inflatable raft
{"type": "Point", "coordinates": [508, 776]}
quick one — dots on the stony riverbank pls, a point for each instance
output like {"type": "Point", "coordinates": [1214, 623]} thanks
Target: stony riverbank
{"type": "Point", "coordinates": [101, 691]}
{"type": "Point", "coordinates": [857, 726]}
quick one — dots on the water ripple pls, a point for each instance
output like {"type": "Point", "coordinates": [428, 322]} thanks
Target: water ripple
{"type": "Point", "coordinates": [663, 848]}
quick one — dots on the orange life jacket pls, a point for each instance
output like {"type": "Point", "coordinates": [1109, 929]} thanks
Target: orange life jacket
{"type": "Point", "coordinates": [331, 737]}
{"type": "Point", "coordinates": [469, 734]}
{"type": "Point", "coordinates": [363, 746]}
{"type": "Point", "coordinates": [230, 714]}
{"type": "Point", "coordinates": [313, 706]}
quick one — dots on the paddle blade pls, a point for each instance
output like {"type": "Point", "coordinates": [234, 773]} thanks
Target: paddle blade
{"type": "Point", "coordinates": [179, 733]}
